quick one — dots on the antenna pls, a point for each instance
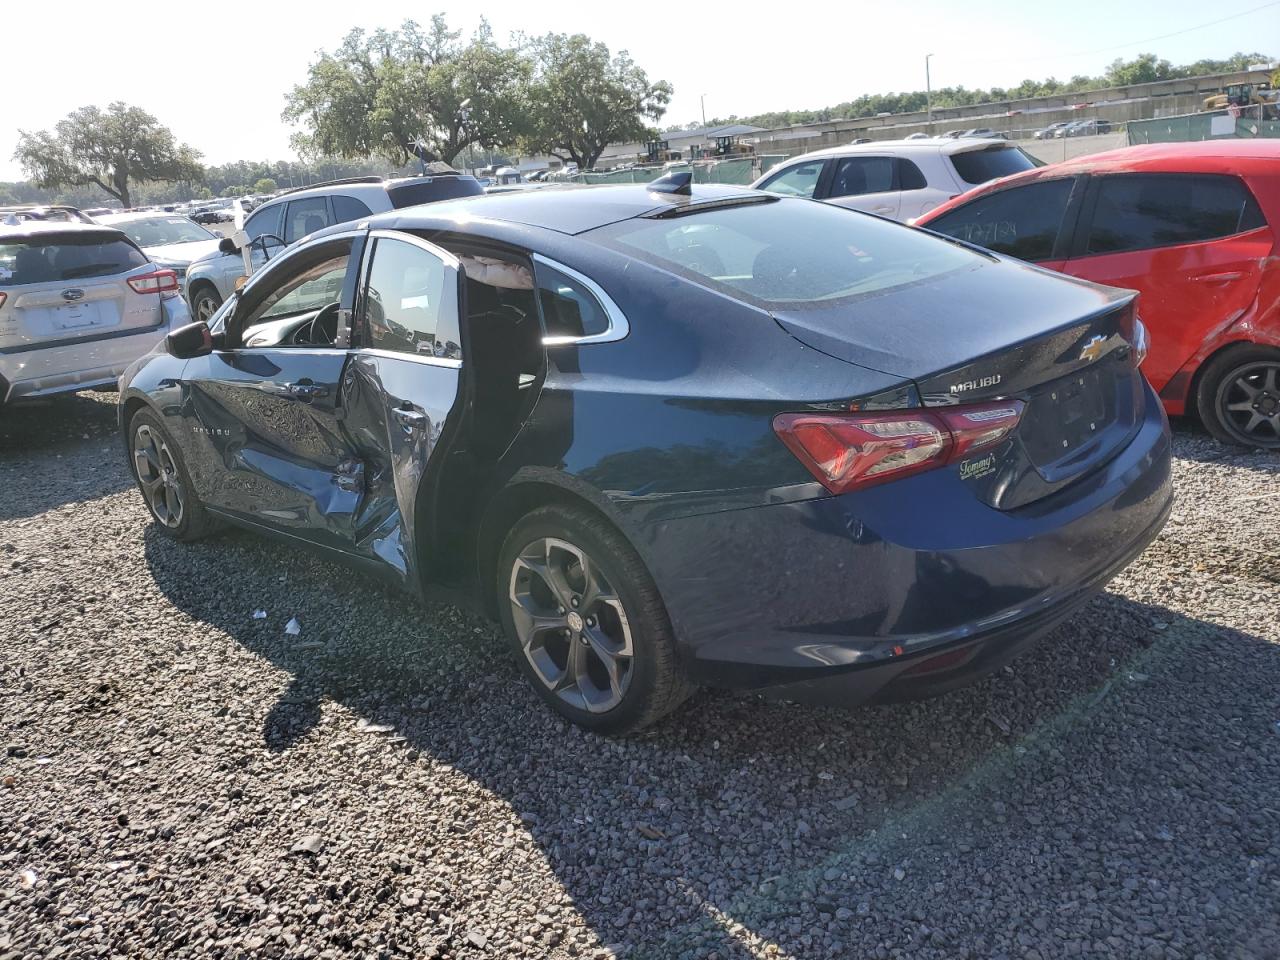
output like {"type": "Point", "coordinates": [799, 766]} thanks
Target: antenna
{"type": "Point", "coordinates": [677, 183]}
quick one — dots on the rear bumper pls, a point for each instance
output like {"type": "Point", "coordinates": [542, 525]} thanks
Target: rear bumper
{"type": "Point", "coordinates": [35, 371]}
{"type": "Point", "coordinates": [840, 599]}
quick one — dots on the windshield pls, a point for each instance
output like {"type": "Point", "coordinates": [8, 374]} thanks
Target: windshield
{"type": "Point", "coordinates": [51, 259]}
{"type": "Point", "coordinates": [161, 231]}
{"type": "Point", "coordinates": [791, 251]}
{"type": "Point", "coordinates": [979, 166]}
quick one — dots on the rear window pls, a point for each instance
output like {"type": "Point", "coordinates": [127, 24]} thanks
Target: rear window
{"type": "Point", "coordinates": [790, 252]}
{"type": "Point", "coordinates": [433, 189]}
{"type": "Point", "coordinates": [979, 166]}
{"type": "Point", "coordinates": [53, 259]}
{"type": "Point", "coordinates": [1141, 211]}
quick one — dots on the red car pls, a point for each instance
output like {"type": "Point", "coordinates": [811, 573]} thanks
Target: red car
{"type": "Point", "coordinates": [1193, 228]}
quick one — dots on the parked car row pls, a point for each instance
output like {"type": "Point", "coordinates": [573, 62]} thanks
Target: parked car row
{"type": "Point", "coordinates": [1074, 128]}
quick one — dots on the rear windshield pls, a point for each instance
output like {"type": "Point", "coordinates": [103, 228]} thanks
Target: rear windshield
{"type": "Point", "coordinates": [161, 231]}
{"type": "Point", "coordinates": [51, 259]}
{"type": "Point", "coordinates": [433, 189]}
{"type": "Point", "coordinates": [979, 166]}
{"type": "Point", "coordinates": [791, 251]}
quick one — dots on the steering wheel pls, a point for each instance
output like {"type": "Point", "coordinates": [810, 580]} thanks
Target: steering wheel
{"type": "Point", "coordinates": [321, 330]}
{"type": "Point", "coordinates": [262, 239]}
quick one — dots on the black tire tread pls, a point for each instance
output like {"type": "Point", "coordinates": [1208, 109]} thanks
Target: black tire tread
{"type": "Point", "coordinates": [197, 522]}
{"type": "Point", "coordinates": [1211, 376]}
{"type": "Point", "coordinates": [671, 686]}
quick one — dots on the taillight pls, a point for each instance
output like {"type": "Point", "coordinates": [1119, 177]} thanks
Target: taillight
{"type": "Point", "coordinates": [845, 451]}
{"type": "Point", "coordinates": [161, 281]}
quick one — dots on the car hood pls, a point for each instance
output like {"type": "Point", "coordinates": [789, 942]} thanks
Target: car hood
{"type": "Point", "coordinates": [946, 322]}
{"type": "Point", "coordinates": [183, 252]}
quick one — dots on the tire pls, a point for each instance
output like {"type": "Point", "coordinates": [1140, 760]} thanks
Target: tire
{"type": "Point", "coordinates": [1238, 396]}
{"type": "Point", "coordinates": [205, 299]}
{"type": "Point", "coordinates": [539, 578]}
{"type": "Point", "coordinates": [166, 486]}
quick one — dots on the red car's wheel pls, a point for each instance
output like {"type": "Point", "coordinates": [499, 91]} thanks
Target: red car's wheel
{"type": "Point", "coordinates": [1239, 396]}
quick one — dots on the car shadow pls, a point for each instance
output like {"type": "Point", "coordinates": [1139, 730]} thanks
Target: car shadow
{"type": "Point", "coordinates": [62, 450]}
{"type": "Point", "coordinates": [772, 820]}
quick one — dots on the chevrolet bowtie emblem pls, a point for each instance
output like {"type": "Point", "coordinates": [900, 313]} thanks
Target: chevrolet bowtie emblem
{"type": "Point", "coordinates": [1092, 349]}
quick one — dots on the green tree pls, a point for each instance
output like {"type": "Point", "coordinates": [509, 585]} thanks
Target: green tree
{"type": "Point", "coordinates": [265, 185]}
{"type": "Point", "coordinates": [1144, 68]}
{"type": "Point", "coordinates": [583, 99]}
{"type": "Point", "coordinates": [110, 149]}
{"type": "Point", "coordinates": [235, 190]}
{"type": "Point", "coordinates": [380, 92]}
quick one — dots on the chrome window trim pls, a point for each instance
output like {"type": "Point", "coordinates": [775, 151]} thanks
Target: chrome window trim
{"type": "Point", "coordinates": [411, 357]}
{"type": "Point", "coordinates": [294, 249]}
{"type": "Point", "coordinates": [618, 326]}
{"type": "Point", "coordinates": [439, 252]}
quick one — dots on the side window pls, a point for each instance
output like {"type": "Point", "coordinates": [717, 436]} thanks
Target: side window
{"type": "Point", "coordinates": [798, 181]}
{"type": "Point", "coordinates": [304, 217]}
{"type": "Point", "coordinates": [569, 308]}
{"type": "Point", "coordinates": [1022, 222]}
{"type": "Point", "coordinates": [348, 208]}
{"type": "Point", "coordinates": [1141, 211]}
{"type": "Point", "coordinates": [298, 288]}
{"type": "Point", "coordinates": [909, 176]}
{"type": "Point", "coordinates": [855, 176]}
{"type": "Point", "coordinates": [410, 302]}
{"type": "Point", "coordinates": [264, 222]}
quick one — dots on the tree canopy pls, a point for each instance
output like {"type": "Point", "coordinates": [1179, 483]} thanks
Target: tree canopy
{"type": "Point", "coordinates": [111, 149]}
{"type": "Point", "coordinates": [583, 98]}
{"type": "Point", "coordinates": [378, 93]}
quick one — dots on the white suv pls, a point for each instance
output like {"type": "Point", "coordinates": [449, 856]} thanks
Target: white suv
{"type": "Point", "coordinates": [79, 302]}
{"type": "Point", "coordinates": [899, 179]}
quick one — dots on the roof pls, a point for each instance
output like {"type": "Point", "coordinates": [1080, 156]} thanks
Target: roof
{"type": "Point", "coordinates": [110, 218]}
{"type": "Point", "coordinates": [929, 145]}
{"type": "Point", "coordinates": [710, 133]}
{"type": "Point", "coordinates": [564, 211]}
{"type": "Point", "coordinates": [30, 228]}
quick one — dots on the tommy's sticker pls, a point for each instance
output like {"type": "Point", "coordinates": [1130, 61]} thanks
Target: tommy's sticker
{"type": "Point", "coordinates": [973, 469]}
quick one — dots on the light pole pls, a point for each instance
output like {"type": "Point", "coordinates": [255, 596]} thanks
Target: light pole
{"type": "Point", "coordinates": [928, 93]}
{"type": "Point", "coordinates": [703, 98]}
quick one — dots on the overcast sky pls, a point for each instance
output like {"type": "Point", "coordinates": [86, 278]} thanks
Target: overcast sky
{"type": "Point", "coordinates": [217, 73]}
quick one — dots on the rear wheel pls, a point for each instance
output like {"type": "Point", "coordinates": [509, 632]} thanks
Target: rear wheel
{"type": "Point", "coordinates": [587, 622]}
{"type": "Point", "coordinates": [205, 302]}
{"type": "Point", "coordinates": [1239, 396]}
{"type": "Point", "coordinates": [163, 480]}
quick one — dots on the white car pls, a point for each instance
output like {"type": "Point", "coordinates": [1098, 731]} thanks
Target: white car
{"type": "Point", "coordinates": [79, 302]}
{"type": "Point", "coordinates": [169, 239]}
{"type": "Point", "coordinates": [899, 179]}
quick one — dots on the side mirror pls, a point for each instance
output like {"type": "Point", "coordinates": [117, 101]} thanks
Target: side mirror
{"type": "Point", "coordinates": [227, 245]}
{"type": "Point", "coordinates": [192, 340]}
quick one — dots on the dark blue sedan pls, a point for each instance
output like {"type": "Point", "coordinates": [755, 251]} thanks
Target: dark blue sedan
{"type": "Point", "coordinates": [674, 437]}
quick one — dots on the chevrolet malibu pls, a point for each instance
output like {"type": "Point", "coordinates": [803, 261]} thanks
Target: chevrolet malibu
{"type": "Point", "coordinates": [675, 436]}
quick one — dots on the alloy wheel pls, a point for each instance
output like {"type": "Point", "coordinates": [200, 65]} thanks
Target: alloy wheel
{"type": "Point", "coordinates": [1249, 399]}
{"type": "Point", "coordinates": [571, 625]}
{"type": "Point", "coordinates": [205, 308]}
{"type": "Point", "coordinates": [158, 476]}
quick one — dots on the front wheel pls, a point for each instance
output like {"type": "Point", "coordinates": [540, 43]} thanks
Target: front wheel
{"type": "Point", "coordinates": [587, 622]}
{"type": "Point", "coordinates": [205, 302]}
{"type": "Point", "coordinates": [163, 480]}
{"type": "Point", "coordinates": [1239, 396]}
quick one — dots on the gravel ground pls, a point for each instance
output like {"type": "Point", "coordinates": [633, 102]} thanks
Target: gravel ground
{"type": "Point", "coordinates": [181, 779]}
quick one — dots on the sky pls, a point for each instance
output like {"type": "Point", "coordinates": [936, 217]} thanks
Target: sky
{"type": "Point", "coordinates": [221, 88]}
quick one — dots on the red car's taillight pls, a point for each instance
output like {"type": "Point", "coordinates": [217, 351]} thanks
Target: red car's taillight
{"type": "Point", "coordinates": [161, 281]}
{"type": "Point", "coordinates": [845, 451]}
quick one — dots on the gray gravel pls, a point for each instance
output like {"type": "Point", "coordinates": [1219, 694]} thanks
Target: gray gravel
{"type": "Point", "coordinates": [180, 779]}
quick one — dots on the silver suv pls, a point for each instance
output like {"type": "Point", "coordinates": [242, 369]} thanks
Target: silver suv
{"type": "Point", "coordinates": [298, 213]}
{"type": "Point", "coordinates": [79, 302]}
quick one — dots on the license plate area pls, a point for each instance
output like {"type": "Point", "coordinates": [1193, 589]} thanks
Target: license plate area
{"type": "Point", "coordinates": [1067, 415]}
{"type": "Point", "coordinates": [77, 316]}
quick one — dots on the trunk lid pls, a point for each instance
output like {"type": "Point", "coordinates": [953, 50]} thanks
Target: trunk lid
{"type": "Point", "coordinates": [1004, 331]}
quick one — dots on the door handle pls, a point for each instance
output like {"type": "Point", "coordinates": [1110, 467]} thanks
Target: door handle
{"type": "Point", "coordinates": [882, 209]}
{"type": "Point", "coordinates": [1226, 277]}
{"type": "Point", "coordinates": [409, 418]}
{"type": "Point", "coordinates": [304, 390]}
